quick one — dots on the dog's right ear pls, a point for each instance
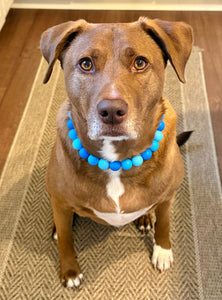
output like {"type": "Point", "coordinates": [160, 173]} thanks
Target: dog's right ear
{"type": "Point", "coordinates": [55, 39]}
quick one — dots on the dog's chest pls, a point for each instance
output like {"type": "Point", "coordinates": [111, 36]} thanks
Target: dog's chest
{"type": "Point", "coordinates": [115, 189]}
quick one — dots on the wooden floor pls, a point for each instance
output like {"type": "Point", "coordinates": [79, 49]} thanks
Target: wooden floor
{"type": "Point", "coordinates": [20, 57]}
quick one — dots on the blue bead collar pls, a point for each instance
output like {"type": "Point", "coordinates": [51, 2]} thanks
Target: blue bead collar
{"type": "Point", "coordinates": [115, 165]}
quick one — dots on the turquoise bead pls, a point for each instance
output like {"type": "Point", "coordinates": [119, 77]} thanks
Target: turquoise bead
{"type": "Point", "coordinates": [155, 146]}
{"type": "Point", "coordinates": [158, 136]}
{"type": "Point", "coordinates": [92, 160]}
{"type": "Point", "coordinates": [103, 164]}
{"type": "Point", "coordinates": [70, 124]}
{"type": "Point", "coordinates": [161, 126]}
{"type": "Point", "coordinates": [115, 165]}
{"type": "Point", "coordinates": [137, 160]}
{"type": "Point", "coordinates": [72, 134]}
{"type": "Point", "coordinates": [127, 164]}
{"type": "Point", "coordinates": [77, 144]}
{"type": "Point", "coordinates": [147, 154]}
{"type": "Point", "coordinates": [83, 153]}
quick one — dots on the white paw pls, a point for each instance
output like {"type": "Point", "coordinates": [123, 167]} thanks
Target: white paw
{"type": "Point", "coordinates": [55, 236]}
{"type": "Point", "coordinates": [145, 229]}
{"type": "Point", "coordinates": [162, 259]}
{"type": "Point", "coordinates": [75, 282]}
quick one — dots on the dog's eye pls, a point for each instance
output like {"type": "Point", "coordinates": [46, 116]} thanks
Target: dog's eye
{"type": "Point", "coordinates": [140, 63]}
{"type": "Point", "coordinates": [86, 64]}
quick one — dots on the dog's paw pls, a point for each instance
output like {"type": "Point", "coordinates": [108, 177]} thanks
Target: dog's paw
{"type": "Point", "coordinates": [144, 223]}
{"type": "Point", "coordinates": [162, 259]}
{"type": "Point", "coordinates": [55, 236]}
{"type": "Point", "coordinates": [72, 281]}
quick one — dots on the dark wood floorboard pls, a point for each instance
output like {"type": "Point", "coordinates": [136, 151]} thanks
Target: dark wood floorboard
{"type": "Point", "coordinates": [20, 57]}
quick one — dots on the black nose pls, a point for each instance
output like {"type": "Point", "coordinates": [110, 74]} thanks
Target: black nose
{"type": "Point", "coordinates": [112, 111]}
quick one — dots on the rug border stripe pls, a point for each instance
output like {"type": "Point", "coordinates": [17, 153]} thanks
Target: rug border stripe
{"type": "Point", "coordinates": [15, 143]}
{"type": "Point", "coordinates": [190, 162]}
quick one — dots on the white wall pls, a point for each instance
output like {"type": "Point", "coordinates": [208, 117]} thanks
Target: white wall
{"type": "Point", "coordinates": [4, 8]}
{"type": "Point", "coordinates": [122, 4]}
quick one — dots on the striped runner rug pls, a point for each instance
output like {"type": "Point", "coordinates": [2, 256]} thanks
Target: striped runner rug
{"type": "Point", "coordinates": [115, 262]}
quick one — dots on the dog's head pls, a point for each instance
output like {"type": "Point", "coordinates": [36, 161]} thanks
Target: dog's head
{"type": "Point", "coordinates": [114, 73]}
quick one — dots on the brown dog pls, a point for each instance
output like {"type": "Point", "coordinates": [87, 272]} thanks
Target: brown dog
{"type": "Point", "coordinates": [114, 76]}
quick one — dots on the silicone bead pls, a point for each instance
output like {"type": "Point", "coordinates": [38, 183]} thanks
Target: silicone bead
{"type": "Point", "coordinates": [72, 134]}
{"type": "Point", "coordinates": [70, 124]}
{"type": "Point", "coordinates": [163, 117]}
{"type": "Point", "coordinates": [115, 165]}
{"type": "Point", "coordinates": [92, 160]}
{"type": "Point", "coordinates": [103, 164]}
{"type": "Point", "coordinates": [147, 154]}
{"type": "Point", "coordinates": [155, 146]}
{"type": "Point", "coordinates": [137, 160]}
{"type": "Point", "coordinates": [83, 153]}
{"type": "Point", "coordinates": [77, 144]}
{"type": "Point", "coordinates": [158, 136]}
{"type": "Point", "coordinates": [127, 164]}
{"type": "Point", "coordinates": [69, 114]}
{"type": "Point", "coordinates": [161, 126]}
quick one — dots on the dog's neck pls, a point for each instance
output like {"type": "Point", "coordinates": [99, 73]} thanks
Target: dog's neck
{"type": "Point", "coordinates": [108, 159]}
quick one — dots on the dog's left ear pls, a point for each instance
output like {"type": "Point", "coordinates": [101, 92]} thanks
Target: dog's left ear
{"type": "Point", "coordinates": [175, 40]}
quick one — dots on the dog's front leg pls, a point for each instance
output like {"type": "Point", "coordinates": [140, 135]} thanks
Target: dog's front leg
{"type": "Point", "coordinates": [162, 258]}
{"type": "Point", "coordinates": [71, 275]}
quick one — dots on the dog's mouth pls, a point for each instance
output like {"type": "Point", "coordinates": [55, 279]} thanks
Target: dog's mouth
{"type": "Point", "coordinates": [114, 134]}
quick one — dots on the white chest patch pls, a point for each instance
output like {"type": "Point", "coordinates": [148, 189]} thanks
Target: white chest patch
{"type": "Point", "coordinates": [118, 219]}
{"type": "Point", "coordinates": [108, 151]}
{"type": "Point", "coordinates": [115, 189]}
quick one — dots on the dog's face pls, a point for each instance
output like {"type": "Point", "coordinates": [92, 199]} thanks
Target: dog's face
{"type": "Point", "coordinates": [114, 73]}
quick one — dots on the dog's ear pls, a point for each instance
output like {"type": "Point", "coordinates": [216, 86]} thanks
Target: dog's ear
{"type": "Point", "coordinates": [57, 38]}
{"type": "Point", "coordinates": [175, 40]}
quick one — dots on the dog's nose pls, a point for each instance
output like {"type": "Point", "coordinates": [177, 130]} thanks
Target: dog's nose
{"type": "Point", "coordinates": [112, 111]}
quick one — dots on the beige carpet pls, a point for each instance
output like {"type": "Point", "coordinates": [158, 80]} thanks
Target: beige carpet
{"type": "Point", "coordinates": [115, 262]}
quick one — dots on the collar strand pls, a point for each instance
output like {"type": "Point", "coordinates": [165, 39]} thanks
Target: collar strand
{"type": "Point", "coordinates": [126, 164]}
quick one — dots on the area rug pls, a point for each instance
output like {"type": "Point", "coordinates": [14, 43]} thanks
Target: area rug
{"type": "Point", "coordinates": [115, 262]}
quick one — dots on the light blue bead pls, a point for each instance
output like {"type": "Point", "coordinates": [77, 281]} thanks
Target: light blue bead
{"type": "Point", "coordinates": [103, 164]}
{"type": "Point", "coordinates": [72, 134]}
{"type": "Point", "coordinates": [92, 160]}
{"type": "Point", "coordinates": [137, 160]}
{"type": "Point", "coordinates": [155, 146]}
{"type": "Point", "coordinates": [77, 144]}
{"type": "Point", "coordinates": [161, 126]}
{"type": "Point", "coordinates": [69, 114]}
{"type": "Point", "coordinates": [70, 124]}
{"type": "Point", "coordinates": [127, 164]}
{"type": "Point", "coordinates": [163, 117]}
{"type": "Point", "coordinates": [158, 136]}
{"type": "Point", "coordinates": [115, 165]}
{"type": "Point", "coordinates": [83, 153]}
{"type": "Point", "coordinates": [147, 154]}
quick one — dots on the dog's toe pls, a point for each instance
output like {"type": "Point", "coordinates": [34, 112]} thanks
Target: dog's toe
{"type": "Point", "coordinates": [162, 259]}
{"type": "Point", "coordinates": [144, 223]}
{"type": "Point", "coordinates": [73, 282]}
{"type": "Point", "coordinates": [55, 236]}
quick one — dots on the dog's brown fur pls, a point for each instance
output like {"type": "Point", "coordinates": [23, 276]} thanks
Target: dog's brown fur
{"type": "Point", "coordinates": [74, 185]}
